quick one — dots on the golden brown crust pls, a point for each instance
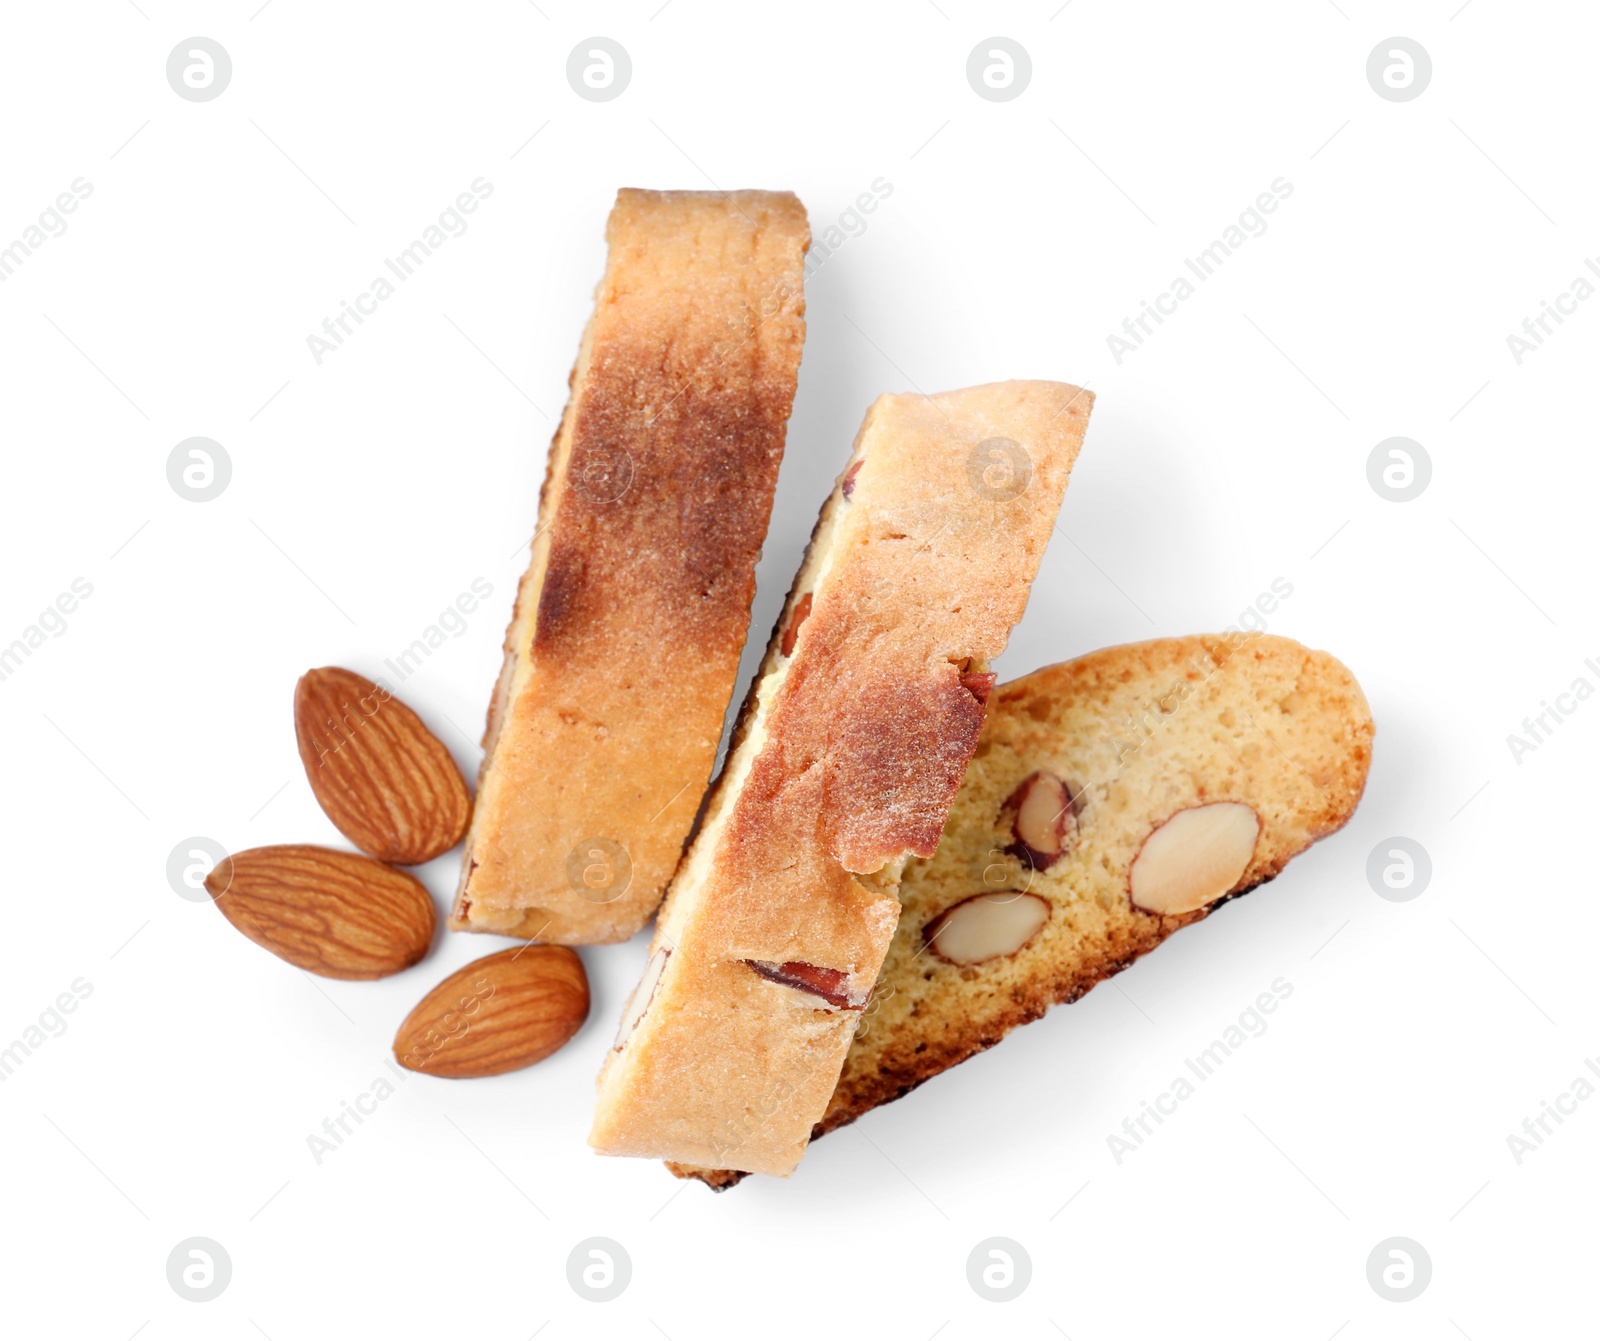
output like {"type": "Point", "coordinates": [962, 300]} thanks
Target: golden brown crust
{"type": "Point", "coordinates": [625, 643]}
{"type": "Point", "coordinates": [849, 761]}
{"type": "Point", "coordinates": [1139, 732]}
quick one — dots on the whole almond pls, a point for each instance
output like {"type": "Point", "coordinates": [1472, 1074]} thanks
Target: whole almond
{"type": "Point", "coordinates": [386, 781]}
{"type": "Point", "coordinates": [331, 913]}
{"type": "Point", "coordinates": [500, 1013]}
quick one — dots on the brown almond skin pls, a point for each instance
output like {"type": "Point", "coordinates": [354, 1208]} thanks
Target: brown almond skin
{"type": "Point", "coordinates": [335, 914]}
{"type": "Point", "coordinates": [498, 1014]}
{"type": "Point", "coordinates": [1066, 822]}
{"type": "Point", "coordinates": [386, 781]}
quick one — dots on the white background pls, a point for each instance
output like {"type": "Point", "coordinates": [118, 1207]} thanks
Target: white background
{"type": "Point", "coordinates": [369, 491]}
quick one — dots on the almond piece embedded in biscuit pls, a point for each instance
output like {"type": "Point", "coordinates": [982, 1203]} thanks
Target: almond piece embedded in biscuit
{"type": "Point", "coordinates": [986, 926]}
{"type": "Point", "coordinates": [847, 486]}
{"type": "Point", "coordinates": [802, 608]}
{"type": "Point", "coordinates": [1043, 820]}
{"type": "Point", "coordinates": [831, 984]}
{"type": "Point", "coordinates": [980, 684]}
{"type": "Point", "coordinates": [643, 994]}
{"type": "Point", "coordinates": [1194, 858]}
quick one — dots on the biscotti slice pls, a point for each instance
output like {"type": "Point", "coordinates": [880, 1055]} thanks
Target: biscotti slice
{"type": "Point", "coordinates": [850, 750]}
{"type": "Point", "coordinates": [624, 646]}
{"type": "Point", "coordinates": [1111, 800]}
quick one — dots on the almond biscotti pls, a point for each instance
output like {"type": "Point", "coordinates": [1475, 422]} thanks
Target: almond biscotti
{"type": "Point", "coordinates": [849, 752]}
{"type": "Point", "coordinates": [1111, 801]}
{"type": "Point", "coordinates": [624, 645]}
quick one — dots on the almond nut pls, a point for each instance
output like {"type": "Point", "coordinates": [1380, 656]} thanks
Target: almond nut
{"type": "Point", "coordinates": [831, 984]}
{"type": "Point", "coordinates": [847, 485]}
{"type": "Point", "coordinates": [499, 1013]}
{"type": "Point", "coordinates": [1194, 858]}
{"type": "Point", "coordinates": [639, 1000]}
{"type": "Point", "coordinates": [386, 781]}
{"type": "Point", "coordinates": [802, 608]}
{"type": "Point", "coordinates": [979, 684]}
{"type": "Point", "coordinates": [986, 926]}
{"type": "Point", "coordinates": [330, 913]}
{"type": "Point", "coordinates": [1044, 820]}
